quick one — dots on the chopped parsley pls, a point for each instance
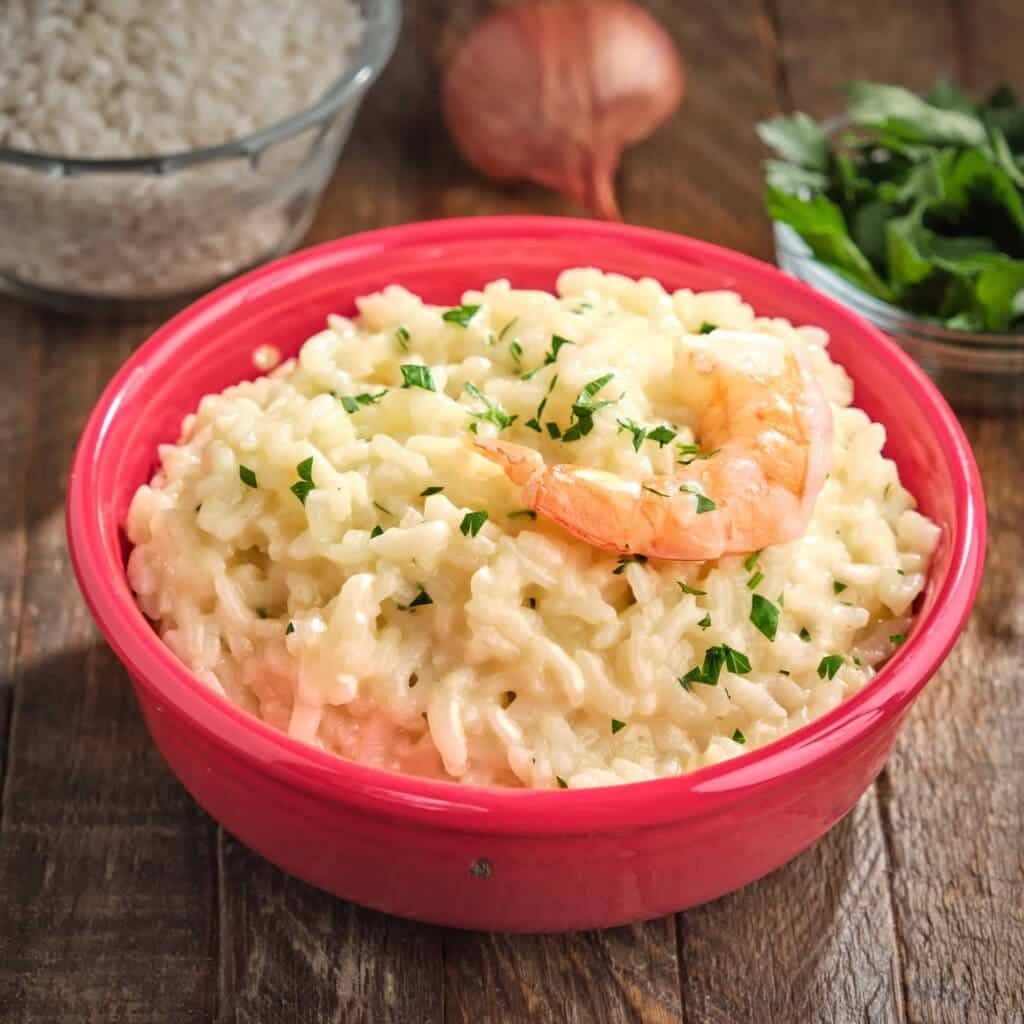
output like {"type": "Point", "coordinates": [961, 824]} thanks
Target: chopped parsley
{"type": "Point", "coordinates": [715, 658]}
{"type": "Point", "coordinates": [900, 572]}
{"type": "Point", "coordinates": [247, 476]}
{"type": "Point", "coordinates": [351, 403]}
{"type": "Point", "coordinates": [557, 343]}
{"type": "Point", "coordinates": [660, 435]}
{"type": "Point", "coordinates": [421, 599]}
{"type": "Point", "coordinates": [289, 629]}
{"type": "Point", "coordinates": [751, 560]}
{"type": "Point", "coordinates": [625, 560]}
{"type": "Point", "coordinates": [534, 423]}
{"type": "Point", "coordinates": [583, 409]}
{"type": "Point", "coordinates": [582, 308]}
{"type": "Point", "coordinates": [523, 513]}
{"type": "Point", "coordinates": [654, 490]}
{"type": "Point", "coordinates": [783, 671]}
{"type": "Point", "coordinates": [898, 639]}
{"type": "Point", "coordinates": [829, 665]}
{"type": "Point", "coordinates": [402, 337]}
{"type": "Point", "coordinates": [554, 431]}
{"type": "Point", "coordinates": [416, 376]}
{"type": "Point", "coordinates": [837, 587]}
{"type": "Point", "coordinates": [494, 412]}
{"type": "Point", "coordinates": [705, 623]}
{"type": "Point", "coordinates": [508, 327]}
{"type": "Point", "coordinates": [738, 737]}
{"type": "Point", "coordinates": [755, 580]}
{"type": "Point", "coordinates": [805, 635]}
{"type": "Point", "coordinates": [707, 327]}
{"type": "Point", "coordinates": [472, 523]}
{"type": "Point", "coordinates": [376, 531]}
{"type": "Point", "coordinates": [691, 453]}
{"type": "Point", "coordinates": [617, 726]}
{"type": "Point", "coordinates": [704, 503]}
{"type": "Point", "coordinates": [460, 315]}
{"type": "Point", "coordinates": [764, 615]}
{"type": "Point", "coordinates": [517, 352]}
{"type": "Point", "coordinates": [381, 508]}
{"type": "Point", "coordinates": [562, 784]}
{"type": "Point", "coordinates": [690, 590]}
{"type": "Point", "coordinates": [428, 491]}
{"type": "Point", "coordinates": [305, 483]}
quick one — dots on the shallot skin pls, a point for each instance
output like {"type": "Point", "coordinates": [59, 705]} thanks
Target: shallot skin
{"type": "Point", "coordinates": [552, 92]}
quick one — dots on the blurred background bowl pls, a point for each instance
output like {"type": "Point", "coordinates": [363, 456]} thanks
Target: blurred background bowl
{"type": "Point", "coordinates": [976, 371]}
{"type": "Point", "coordinates": [143, 235]}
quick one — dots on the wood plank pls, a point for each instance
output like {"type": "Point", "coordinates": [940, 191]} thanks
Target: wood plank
{"type": "Point", "coordinates": [990, 34]}
{"type": "Point", "coordinates": [298, 955]}
{"type": "Point", "coordinates": [952, 793]}
{"type": "Point", "coordinates": [20, 353]}
{"type": "Point", "coordinates": [813, 942]}
{"type": "Point", "coordinates": [614, 976]}
{"type": "Point", "coordinates": [105, 864]}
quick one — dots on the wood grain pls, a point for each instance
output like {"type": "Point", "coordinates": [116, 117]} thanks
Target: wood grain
{"type": "Point", "coordinates": [106, 896]}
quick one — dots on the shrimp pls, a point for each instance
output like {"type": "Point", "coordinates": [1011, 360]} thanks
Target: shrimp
{"type": "Point", "coordinates": [762, 413]}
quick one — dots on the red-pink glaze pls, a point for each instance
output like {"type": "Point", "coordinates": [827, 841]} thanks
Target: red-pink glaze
{"type": "Point", "coordinates": [554, 860]}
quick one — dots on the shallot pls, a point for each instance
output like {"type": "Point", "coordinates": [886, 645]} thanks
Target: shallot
{"type": "Point", "coordinates": [552, 92]}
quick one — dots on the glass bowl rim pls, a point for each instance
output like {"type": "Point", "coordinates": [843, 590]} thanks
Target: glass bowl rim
{"type": "Point", "coordinates": [368, 61]}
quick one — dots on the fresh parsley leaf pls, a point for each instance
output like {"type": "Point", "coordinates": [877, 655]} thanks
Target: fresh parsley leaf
{"type": "Point", "coordinates": [376, 531]}
{"type": "Point", "coordinates": [736, 661]}
{"type": "Point", "coordinates": [624, 560]}
{"type": "Point", "coordinates": [416, 376]}
{"type": "Point", "coordinates": [837, 587]}
{"type": "Point", "coordinates": [805, 635]}
{"type": "Point", "coordinates": [554, 431]}
{"type": "Point", "coordinates": [661, 435]}
{"type": "Point", "coordinates": [707, 327]}
{"type": "Point", "coordinates": [472, 523]}
{"type": "Point", "coordinates": [493, 413]}
{"type": "Point", "coordinates": [422, 598]}
{"type": "Point", "coordinates": [247, 476]}
{"type": "Point", "coordinates": [797, 139]}
{"type": "Point", "coordinates": [523, 513]}
{"type": "Point", "coordinates": [755, 581]}
{"type": "Point", "coordinates": [460, 315]}
{"type": "Point", "coordinates": [690, 590]}
{"type": "Point", "coordinates": [508, 327]}
{"type": "Point", "coordinates": [305, 483]}
{"type": "Point", "coordinates": [639, 433]}
{"type": "Point", "coordinates": [705, 623]}
{"type": "Point", "coordinates": [517, 352]}
{"type": "Point", "coordinates": [764, 615]}
{"type": "Point", "coordinates": [751, 560]}
{"type": "Point", "coordinates": [402, 337]}
{"type": "Point", "coordinates": [830, 665]}
{"type": "Point", "coordinates": [654, 490]}
{"type": "Point", "coordinates": [289, 629]}
{"type": "Point", "coordinates": [428, 491]}
{"type": "Point", "coordinates": [704, 503]}
{"type": "Point", "coordinates": [898, 639]}
{"type": "Point", "coordinates": [557, 343]}
{"type": "Point", "coordinates": [738, 737]}
{"type": "Point", "coordinates": [617, 726]}
{"type": "Point", "coordinates": [351, 403]}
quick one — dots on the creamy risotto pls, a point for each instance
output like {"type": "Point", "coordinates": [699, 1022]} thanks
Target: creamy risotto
{"type": "Point", "coordinates": [326, 547]}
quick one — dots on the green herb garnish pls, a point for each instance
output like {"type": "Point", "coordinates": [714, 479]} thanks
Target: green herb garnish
{"type": "Point", "coordinates": [421, 599]}
{"type": "Point", "coordinates": [829, 665]}
{"type": "Point", "coordinates": [738, 737]}
{"type": "Point", "coordinates": [617, 725]}
{"type": "Point", "coordinates": [523, 513]}
{"type": "Point", "coordinates": [351, 403]}
{"type": "Point", "coordinates": [562, 784]}
{"type": "Point", "coordinates": [920, 203]}
{"type": "Point", "coordinates": [705, 623]}
{"type": "Point", "coordinates": [557, 343]}
{"type": "Point", "coordinates": [472, 523]}
{"type": "Point", "coordinates": [494, 413]}
{"type": "Point", "coordinates": [416, 376]}
{"type": "Point", "coordinates": [247, 476]}
{"type": "Point", "coordinates": [751, 560]}
{"type": "Point", "coordinates": [805, 635]}
{"type": "Point", "coordinates": [460, 315]}
{"type": "Point", "coordinates": [304, 484]}
{"type": "Point", "coordinates": [376, 531]}
{"type": "Point", "coordinates": [715, 658]}
{"type": "Point", "coordinates": [402, 337]}
{"type": "Point", "coordinates": [755, 580]}
{"type": "Point", "coordinates": [898, 639]}
{"type": "Point", "coordinates": [654, 490]}
{"type": "Point", "coordinates": [837, 587]}
{"type": "Point", "coordinates": [704, 503]}
{"type": "Point", "coordinates": [706, 327]}
{"type": "Point", "coordinates": [289, 629]}
{"type": "Point", "coordinates": [764, 615]}
{"type": "Point", "coordinates": [690, 590]}
{"type": "Point", "coordinates": [583, 409]}
{"type": "Point", "coordinates": [428, 491]}
{"type": "Point", "coordinates": [624, 560]}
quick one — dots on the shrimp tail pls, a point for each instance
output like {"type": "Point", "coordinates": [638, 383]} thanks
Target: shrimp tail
{"type": "Point", "coordinates": [521, 464]}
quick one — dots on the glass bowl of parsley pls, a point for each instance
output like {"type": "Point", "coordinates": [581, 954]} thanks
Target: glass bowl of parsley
{"type": "Point", "coordinates": [910, 210]}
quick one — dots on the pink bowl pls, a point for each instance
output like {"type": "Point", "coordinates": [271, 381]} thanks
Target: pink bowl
{"type": "Point", "coordinates": [480, 857]}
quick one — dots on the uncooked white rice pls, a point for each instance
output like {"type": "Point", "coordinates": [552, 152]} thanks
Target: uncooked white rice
{"type": "Point", "coordinates": [541, 661]}
{"type": "Point", "coordinates": [131, 78]}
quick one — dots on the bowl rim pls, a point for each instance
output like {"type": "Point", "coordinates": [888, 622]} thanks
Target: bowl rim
{"type": "Point", "coordinates": [495, 810]}
{"type": "Point", "coordinates": [368, 61]}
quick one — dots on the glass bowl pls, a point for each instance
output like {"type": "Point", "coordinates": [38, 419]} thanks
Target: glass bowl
{"type": "Point", "coordinates": [144, 235]}
{"type": "Point", "coordinates": [977, 371]}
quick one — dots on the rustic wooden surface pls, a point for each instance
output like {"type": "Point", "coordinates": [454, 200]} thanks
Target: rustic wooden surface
{"type": "Point", "coordinates": [121, 901]}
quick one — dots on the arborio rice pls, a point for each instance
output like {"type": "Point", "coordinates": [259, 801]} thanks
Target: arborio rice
{"type": "Point", "coordinates": [130, 78]}
{"type": "Point", "coordinates": [314, 548]}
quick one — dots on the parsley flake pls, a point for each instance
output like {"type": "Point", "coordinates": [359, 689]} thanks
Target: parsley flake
{"type": "Point", "coordinates": [421, 599]}
{"type": "Point", "coordinates": [562, 784]}
{"type": "Point", "coordinates": [472, 523]}
{"type": "Point", "coordinates": [494, 412]}
{"type": "Point", "coordinates": [351, 403]}
{"type": "Point", "coordinates": [738, 737]}
{"type": "Point", "coordinates": [625, 560]}
{"type": "Point", "coordinates": [557, 343]}
{"type": "Point", "coordinates": [805, 635]}
{"type": "Point", "coordinates": [428, 491]}
{"type": "Point", "coordinates": [751, 560]}
{"type": "Point", "coordinates": [707, 327]}
{"type": "Point", "coordinates": [305, 483]}
{"type": "Point", "coordinates": [289, 629]}
{"type": "Point", "coordinates": [247, 476]}
{"type": "Point", "coordinates": [704, 503]}
{"type": "Point", "coordinates": [402, 337]}
{"type": "Point", "coordinates": [755, 581]}
{"type": "Point", "coordinates": [376, 531]}
{"type": "Point", "coordinates": [898, 639]}
{"type": "Point", "coordinates": [661, 436]}
{"type": "Point", "coordinates": [508, 327]}
{"type": "Point", "coordinates": [837, 587]}
{"type": "Point", "coordinates": [460, 315]}
{"type": "Point", "coordinates": [705, 623]}
{"type": "Point", "coordinates": [617, 726]}
{"type": "Point", "coordinates": [829, 665]}
{"type": "Point", "coordinates": [690, 590]}
{"type": "Point", "coordinates": [416, 376]}
{"type": "Point", "coordinates": [653, 490]}
{"type": "Point", "coordinates": [523, 513]}
{"type": "Point", "coordinates": [554, 431]}
{"type": "Point", "coordinates": [764, 615]}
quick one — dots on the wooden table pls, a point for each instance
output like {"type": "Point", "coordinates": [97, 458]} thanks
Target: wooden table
{"type": "Point", "coordinates": [121, 901]}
